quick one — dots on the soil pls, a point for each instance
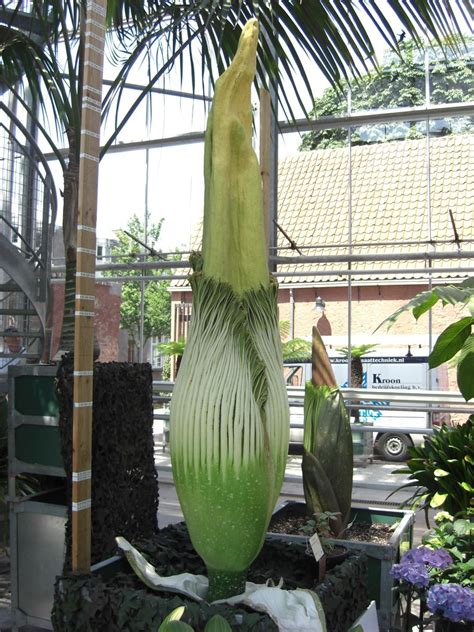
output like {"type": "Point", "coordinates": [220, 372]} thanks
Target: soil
{"type": "Point", "coordinates": [379, 533]}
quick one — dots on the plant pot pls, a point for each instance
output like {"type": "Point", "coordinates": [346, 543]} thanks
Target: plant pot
{"type": "Point", "coordinates": [381, 556]}
{"type": "Point", "coordinates": [112, 598]}
{"type": "Point", "coordinates": [330, 560]}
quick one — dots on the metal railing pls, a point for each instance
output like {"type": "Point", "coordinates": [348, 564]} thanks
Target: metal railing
{"type": "Point", "coordinates": [429, 402]}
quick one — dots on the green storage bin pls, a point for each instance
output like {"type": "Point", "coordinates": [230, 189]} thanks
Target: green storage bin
{"type": "Point", "coordinates": [36, 395]}
{"type": "Point", "coordinates": [38, 445]}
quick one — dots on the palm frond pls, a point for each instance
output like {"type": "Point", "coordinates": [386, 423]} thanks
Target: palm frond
{"type": "Point", "coordinates": [333, 35]}
{"type": "Point", "coordinates": [172, 348]}
{"type": "Point", "coordinates": [356, 351]}
{"type": "Point", "coordinates": [424, 301]}
{"type": "Point", "coordinates": [296, 350]}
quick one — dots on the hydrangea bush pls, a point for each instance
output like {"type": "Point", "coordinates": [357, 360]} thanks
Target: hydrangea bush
{"type": "Point", "coordinates": [426, 573]}
{"type": "Point", "coordinates": [453, 602]}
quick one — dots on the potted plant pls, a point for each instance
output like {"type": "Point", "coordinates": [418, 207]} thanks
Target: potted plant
{"type": "Point", "coordinates": [438, 575]}
{"type": "Point", "coordinates": [442, 470]}
{"type": "Point", "coordinates": [327, 468]}
{"type": "Point", "coordinates": [229, 414]}
{"type": "Point", "coordinates": [457, 340]}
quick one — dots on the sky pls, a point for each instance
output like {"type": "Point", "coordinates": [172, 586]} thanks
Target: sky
{"type": "Point", "coordinates": [175, 174]}
{"type": "Point", "coordinates": [174, 186]}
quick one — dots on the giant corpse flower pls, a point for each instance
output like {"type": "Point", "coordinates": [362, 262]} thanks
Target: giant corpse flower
{"type": "Point", "coordinates": [229, 413]}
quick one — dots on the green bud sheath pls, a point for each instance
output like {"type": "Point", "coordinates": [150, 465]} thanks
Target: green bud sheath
{"type": "Point", "coordinates": [229, 413]}
{"type": "Point", "coordinates": [234, 247]}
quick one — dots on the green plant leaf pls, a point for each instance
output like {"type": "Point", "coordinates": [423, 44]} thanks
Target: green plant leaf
{"type": "Point", "coordinates": [469, 459]}
{"type": "Point", "coordinates": [467, 487]}
{"type": "Point", "coordinates": [450, 341]}
{"type": "Point", "coordinates": [439, 473]}
{"type": "Point", "coordinates": [217, 624]}
{"type": "Point", "coordinates": [465, 369]}
{"type": "Point", "coordinates": [174, 615]}
{"type": "Point", "coordinates": [438, 500]}
{"type": "Point", "coordinates": [172, 622]}
{"type": "Point", "coordinates": [426, 305]}
{"type": "Point", "coordinates": [422, 302]}
{"type": "Point", "coordinates": [176, 626]}
{"type": "Point", "coordinates": [461, 526]}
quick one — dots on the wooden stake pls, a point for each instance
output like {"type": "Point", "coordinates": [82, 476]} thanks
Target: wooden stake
{"type": "Point", "coordinates": [85, 284]}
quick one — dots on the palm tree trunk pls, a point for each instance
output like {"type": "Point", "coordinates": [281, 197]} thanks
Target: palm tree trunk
{"type": "Point", "coordinates": [71, 180]}
{"type": "Point", "coordinates": [357, 378]}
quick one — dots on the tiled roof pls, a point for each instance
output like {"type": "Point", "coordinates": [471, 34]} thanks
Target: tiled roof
{"type": "Point", "coordinates": [395, 190]}
{"type": "Point", "coordinates": [390, 200]}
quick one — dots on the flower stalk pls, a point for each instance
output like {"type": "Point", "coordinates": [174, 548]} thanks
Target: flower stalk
{"type": "Point", "coordinates": [229, 413]}
{"type": "Point", "coordinates": [327, 443]}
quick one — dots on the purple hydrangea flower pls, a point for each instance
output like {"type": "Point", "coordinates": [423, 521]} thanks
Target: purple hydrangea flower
{"type": "Point", "coordinates": [439, 558]}
{"type": "Point", "coordinates": [412, 572]}
{"type": "Point", "coordinates": [452, 601]}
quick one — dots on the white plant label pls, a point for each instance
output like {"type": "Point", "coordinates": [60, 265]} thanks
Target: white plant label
{"type": "Point", "coordinates": [316, 547]}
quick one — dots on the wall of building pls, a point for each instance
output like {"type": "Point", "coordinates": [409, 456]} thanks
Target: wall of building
{"type": "Point", "coordinates": [370, 305]}
{"type": "Point", "coordinates": [107, 318]}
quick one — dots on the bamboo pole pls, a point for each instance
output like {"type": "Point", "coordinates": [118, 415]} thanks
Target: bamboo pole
{"type": "Point", "coordinates": [85, 284]}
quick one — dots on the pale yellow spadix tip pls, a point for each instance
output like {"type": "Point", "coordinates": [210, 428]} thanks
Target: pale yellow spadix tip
{"type": "Point", "coordinates": [234, 245]}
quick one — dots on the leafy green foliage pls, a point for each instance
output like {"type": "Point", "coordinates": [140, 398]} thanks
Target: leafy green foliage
{"type": "Point", "coordinates": [424, 301]}
{"type": "Point", "coordinates": [172, 348]}
{"type": "Point", "coordinates": [157, 314]}
{"type": "Point", "coordinates": [456, 535]}
{"type": "Point", "coordinates": [456, 338]}
{"type": "Point", "coordinates": [450, 341]}
{"type": "Point", "coordinates": [357, 351]}
{"type": "Point", "coordinates": [321, 523]}
{"type": "Point", "coordinates": [327, 456]}
{"type": "Point", "coordinates": [442, 470]}
{"type": "Point", "coordinates": [293, 349]}
{"type": "Point", "coordinates": [217, 624]}
{"type": "Point", "coordinates": [400, 82]}
{"type": "Point", "coordinates": [465, 369]}
{"type": "Point", "coordinates": [296, 350]}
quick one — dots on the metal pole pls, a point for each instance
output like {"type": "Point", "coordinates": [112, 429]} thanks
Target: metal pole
{"type": "Point", "coordinates": [145, 240]}
{"type": "Point", "coordinates": [349, 279]}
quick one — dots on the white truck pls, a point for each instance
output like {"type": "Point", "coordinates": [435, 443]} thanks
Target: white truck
{"type": "Point", "coordinates": [385, 372]}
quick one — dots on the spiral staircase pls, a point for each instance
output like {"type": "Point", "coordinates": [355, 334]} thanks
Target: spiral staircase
{"type": "Point", "coordinates": [27, 216]}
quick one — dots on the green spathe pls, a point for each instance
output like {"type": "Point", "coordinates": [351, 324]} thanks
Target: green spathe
{"type": "Point", "coordinates": [229, 413]}
{"type": "Point", "coordinates": [327, 457]}
{"type": "Point", "coordinates": [234, 246]}
{"type": "Point", "coordinates": [229, 426]}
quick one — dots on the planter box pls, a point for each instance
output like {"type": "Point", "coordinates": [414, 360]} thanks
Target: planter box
{"type": "Point", "coordinates": [381, 556]}
{"type": "Point", "coordinates": [113, 599]}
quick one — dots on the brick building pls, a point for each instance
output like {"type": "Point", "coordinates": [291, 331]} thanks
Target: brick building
{"type": "Point", "coordinates": [402, 211]}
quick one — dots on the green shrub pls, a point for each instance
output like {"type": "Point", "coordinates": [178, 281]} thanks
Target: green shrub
{"type": "Point", "coordinates": [442, 470]}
